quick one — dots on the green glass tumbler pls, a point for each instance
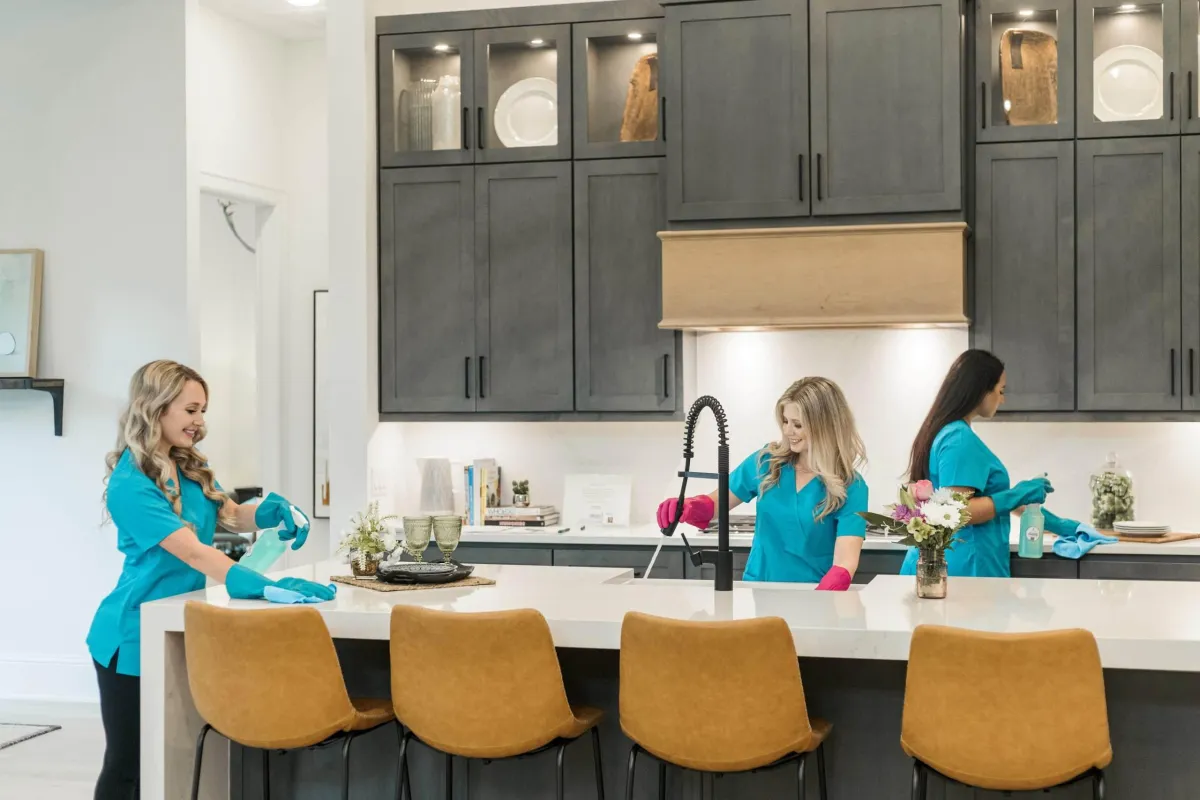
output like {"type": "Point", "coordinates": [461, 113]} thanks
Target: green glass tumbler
{"type": "Point", "coordinates": [447, 531]}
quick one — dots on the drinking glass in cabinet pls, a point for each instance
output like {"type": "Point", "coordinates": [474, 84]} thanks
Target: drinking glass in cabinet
{"type": "Point", "coordinates": [427, 84]}
{"type": "Point", "coordinates": [622, 86]}
{"type": "Point", "coordinates": [523, 94]}
{"type": "Point", "coordinates": [1128, 71]}
{"type": "Point", "coordinates": [1022, 88]}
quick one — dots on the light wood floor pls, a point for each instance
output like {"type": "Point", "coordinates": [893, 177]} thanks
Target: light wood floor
{"type": "Point", "coordinates": [61, 765]}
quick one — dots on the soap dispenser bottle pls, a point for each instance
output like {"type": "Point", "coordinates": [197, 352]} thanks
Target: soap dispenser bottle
{"type": "Point", "coordinates": [1033, 531]}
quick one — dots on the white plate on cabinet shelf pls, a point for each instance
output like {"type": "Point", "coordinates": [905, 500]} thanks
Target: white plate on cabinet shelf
{"type": "Point", "coordinates": [527, 114]}
{"type": "Point", "coordinates": [1127, 84]}
{"type": "Point", "coordinates": [1138, 528]}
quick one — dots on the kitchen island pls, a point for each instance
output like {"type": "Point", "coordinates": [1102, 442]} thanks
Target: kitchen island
{"type": "Point", "coordinates": [852, 647]}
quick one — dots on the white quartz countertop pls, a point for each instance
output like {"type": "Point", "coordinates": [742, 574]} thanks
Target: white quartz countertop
{"type": "Point", "coordinates": [649, 536]}
{"type": "Point", "coordinates": [1138, 624]}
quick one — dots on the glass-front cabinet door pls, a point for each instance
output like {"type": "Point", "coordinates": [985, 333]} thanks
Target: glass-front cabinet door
{"type": "Point", "coordinates": [425, 92]}
{"type": "Point", "coordinates": [523, 94]}
{"type": "Point", "coordinates": [1024, 63]}
{"type": "Point", "coordinates": [1190, 46]}
{"type": "Point", "coordinates": [1129, 76]}
{"type": "Point", "coordinates": [615, 80]}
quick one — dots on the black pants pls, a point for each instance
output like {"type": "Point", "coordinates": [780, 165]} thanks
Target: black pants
{"type": "Point", "coordinates": [120, 710]}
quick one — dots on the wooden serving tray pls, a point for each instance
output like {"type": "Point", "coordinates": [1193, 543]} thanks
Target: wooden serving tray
{"type": "Point", "coordinates": [1029, 77]}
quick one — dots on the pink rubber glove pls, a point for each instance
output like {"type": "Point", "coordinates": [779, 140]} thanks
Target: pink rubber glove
{"type": "Point", "coordinates": [836, 580]}
{"type": "Point", "coordinates": [697, 511]}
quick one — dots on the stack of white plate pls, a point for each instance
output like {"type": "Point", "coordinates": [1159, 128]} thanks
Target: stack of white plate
{"type": "Point", "coordinates": [1141, 528]}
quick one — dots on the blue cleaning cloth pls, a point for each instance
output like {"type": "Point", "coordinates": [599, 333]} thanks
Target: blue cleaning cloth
{"type": "Point", "coordinates": [275, 594]}
{"type": "Point", "coordinates": [1080, 543]}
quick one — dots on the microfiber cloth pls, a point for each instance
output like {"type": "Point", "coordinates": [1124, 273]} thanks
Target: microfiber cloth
{"type": "Point", "coordinates": [1080, 543]}
{"type": "Point", "coordinates": [275, 594]}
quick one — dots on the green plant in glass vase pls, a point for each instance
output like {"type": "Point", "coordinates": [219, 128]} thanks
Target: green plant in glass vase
{"type": "Point", "coordinates": [369, 541]}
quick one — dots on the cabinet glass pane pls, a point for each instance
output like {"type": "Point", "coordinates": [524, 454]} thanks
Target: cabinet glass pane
{"type": "Point", "coordinates": [622, 87]}
{"type": "Point", "coordinates": [523, 93]}
{"type": "Point", "coordinates": [427, 89]}
{"type": "Point", "coordinates": [1023, 83]}
{"type": "Point", "coordinates": [1128, 72]}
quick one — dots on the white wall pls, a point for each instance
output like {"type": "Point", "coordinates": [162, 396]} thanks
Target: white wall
{"type": "Point", "coordinates": [92, 154]}
{"type": "Point", "coordinates": [228, 323]}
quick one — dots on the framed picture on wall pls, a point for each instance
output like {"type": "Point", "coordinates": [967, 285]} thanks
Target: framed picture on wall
{"type": "Point", "coordinates": [320, 404]}
{"type": "Point", "coordinates": [20, 309]}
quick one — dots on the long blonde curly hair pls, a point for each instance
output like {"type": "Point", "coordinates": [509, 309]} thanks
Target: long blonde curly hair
{"type": "Point", "coordinates": [151, 391]}
{"type": "Point", "coordinates": [835, 450]}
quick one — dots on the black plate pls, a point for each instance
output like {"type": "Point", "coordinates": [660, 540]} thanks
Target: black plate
{"type": "Point", "coordinates": [425, 572]}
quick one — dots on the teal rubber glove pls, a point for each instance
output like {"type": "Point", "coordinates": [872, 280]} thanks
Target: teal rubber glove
{"type": "Point", "coordinates": [274, 511]}
{"type": "Point", "coordinates": [1061, 526]}
{"type": "Point", "coordinates": [243, 583]}
{"type": "Point", "coordinates": [1033, 490]}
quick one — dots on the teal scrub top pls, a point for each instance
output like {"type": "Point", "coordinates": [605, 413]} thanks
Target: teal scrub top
{"type": "Point", "coordinates": [144, 517]}
{"type": "Point", "coordinates": [960, 458]}
{"type": "Point", "coordinates": [789, 543]}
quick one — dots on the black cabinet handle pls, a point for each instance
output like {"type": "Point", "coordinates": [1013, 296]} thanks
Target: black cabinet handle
{"type": "Point", "coordinates": [667, 375]}
{"type": "Point", "coordinates": [818, 177]}
{"type": "Point", "coordinates": [479, 129]}
{"type": "Point", "coordinates": [1172, 371]}
{"type": "Point", "coordinates": [1191, 95]}
{"type": "Point", "coordinates": [1171, 92]}
{"type": "Point", "coordinates": [466, 128]}
{"type": "Point", "coordinates": [481, 360]}
{"type": "Point", "coordinates": [662, 119]}
{"type": "Point", "coordinates": [983, 109]}
{"type": "Point", "coordinates": [1191, 371]}
{"type": "Point", "coordinates": [467, 376]}
{"type": "Point", "coordinates": [802, 177]}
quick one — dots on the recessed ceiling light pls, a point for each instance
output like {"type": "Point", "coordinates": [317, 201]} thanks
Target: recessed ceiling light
{"type": "Point", "coordinates": [1128, 6]}
{"type": "Point", "coordinates": [304, 3]}
{"type": "Point", "coordinates": [635, 36]}
{"type": "Point", "coordinates": [1026, 12]}
{"type": "Point", "coordinates": [538, 42]}
{"type": "Point", "coordinates": [441, 48]}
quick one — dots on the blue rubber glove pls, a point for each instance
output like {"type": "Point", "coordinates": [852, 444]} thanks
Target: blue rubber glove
{"type": "Point", "coordinates": [1061, 526]}
{"type": "Point", "coordinates": [1033, 490]}
{"type": "Point", "coordinates": [243, 583]}
{"type": "Point", "coordinates": [275, 510]}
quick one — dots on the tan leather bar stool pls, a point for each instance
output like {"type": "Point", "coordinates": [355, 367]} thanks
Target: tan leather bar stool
{"type": "Point", "coordinates": [1006, 712]}
{"type": "Point", "coordinates": [509, 698]}
{"type": "Point", "coordinates": [759, 720]}
{"type": "Point", "coordinates": [288, 691]}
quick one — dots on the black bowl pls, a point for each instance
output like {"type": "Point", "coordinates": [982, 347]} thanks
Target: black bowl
{"type": "Point", "coordinates": [423, 572]}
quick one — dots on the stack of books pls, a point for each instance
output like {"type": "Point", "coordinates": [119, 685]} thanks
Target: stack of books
{"type": "Point", "coordinates": [522, 517]}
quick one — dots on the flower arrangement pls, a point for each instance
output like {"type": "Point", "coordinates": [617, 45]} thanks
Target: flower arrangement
{"type": "Point", "coordinates": [927, 518]}
{"type": "Point", "coordinates": [370, 539]}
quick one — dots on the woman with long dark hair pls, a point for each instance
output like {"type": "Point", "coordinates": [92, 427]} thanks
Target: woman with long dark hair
{"type": "Point", "coordinates": [948, 453]}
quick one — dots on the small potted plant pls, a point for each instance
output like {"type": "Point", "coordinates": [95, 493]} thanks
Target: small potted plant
{"type": "Point", "coordinates": [521, 494]}
{"type": "Point", "coordinates": [369, 542]}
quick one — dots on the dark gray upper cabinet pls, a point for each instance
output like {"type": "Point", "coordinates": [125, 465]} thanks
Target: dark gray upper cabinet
{"type": "Point", "coordinates": [736, 92]}
{"type": "Point", "coordinates": [521, 73]}
{"type": "Point", "coordinates": [1129, 275]}
{"type": "Point", "coordinates": [615, 82]}
{"type": "Point", "coordinates": [1113, 39]}
{"type": "Point", "coordinates": [886, 106]}
{"type": "Point", "coordinates": [1025, 269]}
{"type": "Point", "coordinates": [1191, 66]}
{"type": "Point", "coordinates": [1024, 70]}
{"type": "Point", "coordinates": [425, 90]}
{"type": "Point", "coordinates": [1191, 271]}
{"type": "Point", "coordinates": [523, 288]}
{"type": "Point", "coordinates": [426, 289]}
{"type": "Point", "coordinates": [623, 361]}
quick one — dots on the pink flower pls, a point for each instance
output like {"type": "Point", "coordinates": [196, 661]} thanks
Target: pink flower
{"type": "Point", "coordinates": [902, 513]}
{"type": "Point", "coordinates": [921, 490]}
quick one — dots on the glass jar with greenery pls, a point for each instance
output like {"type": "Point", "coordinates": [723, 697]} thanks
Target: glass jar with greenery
{"type": "Point", "coordinates": [1112, 494]}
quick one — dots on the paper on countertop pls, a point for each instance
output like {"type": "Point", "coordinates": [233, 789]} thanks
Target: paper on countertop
{"type": "Point", "coordinates": [597, 500]}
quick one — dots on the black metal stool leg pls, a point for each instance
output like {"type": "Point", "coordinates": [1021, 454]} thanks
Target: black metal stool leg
{"type": "Point", "coordinates": [558, 771]}
{"type": "Point", "coordinates": [662, 780]}
{"type": "Point", "coordinates": [346, 767]}
{"type": "Point", "coordinates": [402, 787]}
{"type": "Point", "coordinates": [449, 777]}
{"type": "Point", "coordinates": [1098, 785]}
{"type": "Point", "coordinates": [918, 781]}
{"type": "Point", "coordinates": [633, 751]}
{"type": "Point", "coordinates": [266, 774]}
{"type": "Point", "coordinates": [199, 756]}
{"type": "Point", "coordinates": [599, 763]}
{"type": "Point", "coordinates": [822, 788]}
{"type": "Point", "coordinates": [800, 778]}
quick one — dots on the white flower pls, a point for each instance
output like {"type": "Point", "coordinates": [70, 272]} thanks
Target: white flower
{"type": "Point", "coordinates": [944, 515]}
{"type": "Point", "coordinates": [942, 496]}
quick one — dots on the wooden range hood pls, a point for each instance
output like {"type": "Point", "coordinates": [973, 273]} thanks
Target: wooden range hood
{"type": "Point", "coordinates": [862, 276]}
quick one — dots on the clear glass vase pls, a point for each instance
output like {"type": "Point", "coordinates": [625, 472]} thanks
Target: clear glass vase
{"type": "Point", "coordinates": [931, 574]}
{"type": "Point", "coordinates": [1112, 494]}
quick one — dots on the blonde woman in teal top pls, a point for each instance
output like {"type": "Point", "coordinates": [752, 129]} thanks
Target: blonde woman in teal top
{"type": "Point", "coordinates": [165, 502]}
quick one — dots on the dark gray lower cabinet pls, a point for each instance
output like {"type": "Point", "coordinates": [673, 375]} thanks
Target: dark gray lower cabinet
{"type": "Point", "coordinates": [427, 289]}
{"type": "Point", "coordinates": [886, 106]}
{"type": "Point", "coordinates": [1025, 269]}
{"type": "Point", "coordinates": [1140, 568]}
{"type": "Point", "coordinates": [623, 361]}
{"type": "Point", "coordinates": [468, 553]}
{"type": "Point", "coordinates": [1130, 337]}
{"type": "Point", "coordinates": [523, 288]}
{"type": "Point", "coordinates": [668, 565]}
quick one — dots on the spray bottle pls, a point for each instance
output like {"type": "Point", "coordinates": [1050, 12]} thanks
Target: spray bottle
{"type": "Point", "coordinates": [269, 546]}
{"type": "Point", "coordinates": [1033, 530]}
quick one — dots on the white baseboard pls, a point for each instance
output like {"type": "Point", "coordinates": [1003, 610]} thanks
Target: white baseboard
{"type": "Point", "coordinates": [48, 679]}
